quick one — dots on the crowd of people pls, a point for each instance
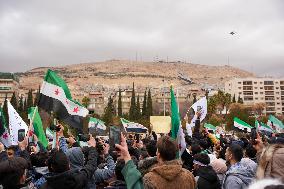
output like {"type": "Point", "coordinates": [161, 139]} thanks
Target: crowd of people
{"type": "Point", "coordinates": [151, 163]}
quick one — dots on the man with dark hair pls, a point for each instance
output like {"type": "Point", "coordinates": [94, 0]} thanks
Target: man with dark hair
{"type": "Point", "coordinates": [151, 148]}
{"type": "Point", "coordinates": [205, 175]}
{"type": "Point", "coordinates": [238, 176]}
{"type": "Point", "coordinates": [62, 177]}
{"type": "Point", "coordinates": [169, 172]}
{"type": "Point", "coordinates": [13, 173]}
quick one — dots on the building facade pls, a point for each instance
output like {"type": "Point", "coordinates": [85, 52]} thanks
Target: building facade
{"type": "Point", "coordinates": [259, 90]}
{"type": "Point", "coordinates": [9, 83]}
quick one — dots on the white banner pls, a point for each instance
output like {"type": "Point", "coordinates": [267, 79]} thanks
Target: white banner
{"type": "Point", "coordinates": [15, 124]}
{"type": "Point", "coordinates": [200, 106]}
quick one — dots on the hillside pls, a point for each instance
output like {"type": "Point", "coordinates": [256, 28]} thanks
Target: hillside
{"type": "Point", "coordinates": [86, 77]}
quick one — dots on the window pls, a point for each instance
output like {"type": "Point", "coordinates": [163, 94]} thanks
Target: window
{"type": "Point", "coordinates": [282, 87]}
{"type": "Point", "coordinates": [240, 87]}
{"type": "Point", "coordinates": [248, 93]}
{"type": "Point", "coordinates": [247, 82]}
{"type": "Point", "coordinates": [261, 87]}
{"type": "Point", "coordinates": [277, 92]}
{"type": "Point", "coordinates": [277, 87]}
{"type": "Point", "coordinates": [268, 83]}
{"type": "Point", "coordinates": [271, 88]}
{"type": "Point", "coordinates": [248, 98]}
{"type": "Point", "coordinates": [255, 98]}
{"type": "Point", "coordinates": [261, 93]}
{"type": "Point", "coordinates": [239, 82]}
{"type": "Point", "coordinates": [270, 103]}
{"type": "Point", "coordinates": [254, 82]}
{"type": "Point", "coordinates": [255, 92]}
{"type": "Point", "coordinates": [247, 88]}
{"type": "Point", "coordinates": [269, 93]}
{"type": "Point", "coordinates": [255, 87]}
{"type": "Point", "coordinates": [269, 98]}
{"type": "Point", "coordinates": [281, 82]}
{"type": "Point", "coordinates": [240, 93]}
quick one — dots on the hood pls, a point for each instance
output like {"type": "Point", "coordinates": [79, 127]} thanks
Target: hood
{"type": "Point", "coordinates": [242, 172]}
{"type": "Point", "coordinates": [250, 164]}
{"type": "Point", "coordinates": [145, 165]}
{"type": "Point", "coordinates": [76, 157]}
{"type": "Point", "coordinates": [207, 173]}
{"type": "Point", "coordinates": [63, 180]}
{"type": "Point", "coordinates": [169, 170]}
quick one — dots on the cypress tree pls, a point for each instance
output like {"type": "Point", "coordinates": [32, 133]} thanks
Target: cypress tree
{"type": "Point", "coordinates": [37, 96]}
{"type": "Point", "coordinates": [194, 98]}
{"type": "Point", "coordinates": [132, 110]}
{"type": "Point", "coordinates": [144, 107]}
{"type": "Point", "coordinates": [25, 105]}
{"type": "Point", "coordinates": [21, 104]}
{"type": "Point", "coordinates": [30, 99]}
{"type": "Point", "coordinates": [119, 104]}
{"type": "Point", "coordinates": [138, 110]}
{"type": "Point", "coordinates": [14, 101]}
{"type": "Point", "coordinates": [108, 113]}
{"type": "Point", "coordinates": [240, 100]}
{"type": "Point", "coordinates": [149, 105]}
{"type": "Point", "coordinates": [5, 111]}
{"type": "Point", "coordinates": [234, 99]}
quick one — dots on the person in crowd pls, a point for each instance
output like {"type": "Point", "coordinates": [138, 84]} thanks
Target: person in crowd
{"type": "Point", "coordinates": [13, 173]}
{"type": "Point", "coordinates": [237, 176]}
{"type": "Point", "coordinates": [118, 182]}
{"type": "Point", "coordinates": [206, 177]}
{"type": "Point", "coordinates": [146, 164]}
{"type": "Point", "coordinates": [267, 183]}
{"type": "Point", "coordinates": [167, 174]}
{"type": "Point", "coordinates": [250, 152]}
{"type": "Point", "coordinates": [62, 177]}
{"type": "Point", "coordinates": [270, 159]}
{"type": "Point", "coordinates": [220, 167]}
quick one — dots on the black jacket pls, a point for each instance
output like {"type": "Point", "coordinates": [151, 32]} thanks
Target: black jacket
{"type": "Point", "coordinates": [207, 178]}
{"type": "Point", "coordinates": [75, 179]}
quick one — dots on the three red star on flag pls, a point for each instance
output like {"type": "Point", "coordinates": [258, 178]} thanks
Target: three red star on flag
{"type": "Point", "coordinates": [76, 110]}
{"type": "Point", "coordinates": [56, 91]}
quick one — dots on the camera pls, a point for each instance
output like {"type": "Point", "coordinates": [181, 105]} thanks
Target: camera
{"type": "Point", "coordinates": [84, 137]}
{"type": "Point", "coordinates": [54, 128]}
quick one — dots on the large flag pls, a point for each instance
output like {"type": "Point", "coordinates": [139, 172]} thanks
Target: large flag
{"type": "Point", "coordinates": [262, 127]}
{"type": "Point", "coordinates": [16, 123]}
{"type": "Point", "coordinates": [37, 125]}
{"type": "Point", "coordinates": [275, 124]}
{"type": "Point", "coordinates": [242, 125]}
{"type": "Point", "coordinates": [176, 130]}
{"type": "Point", "coordinates": [55, 96]}
{"type": "Point", "coordinates": [4, 134]}
{"type": "Point", "coordinates": [132, 126]}
{"type": "Point", "coordinates": [96, 125]}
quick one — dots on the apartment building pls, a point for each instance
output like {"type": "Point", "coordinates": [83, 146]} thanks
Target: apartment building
{"type": "Point", "coordinates": [259, 90]}
{"type": "Point", "coordinates": [9, 83]}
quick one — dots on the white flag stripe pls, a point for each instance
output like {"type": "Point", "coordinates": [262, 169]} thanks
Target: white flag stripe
{"type": "Point", "coordinates": [241, 126]}
{"type": "Point", "coordinates": [15, 123]}
{"type": "Point", "coordinates": [58, 93]}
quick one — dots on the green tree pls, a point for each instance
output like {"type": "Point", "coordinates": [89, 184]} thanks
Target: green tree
{"type": "Point", "coordinates": [234, 99]}
{"type": "Point", "coordinates": [194, 98]}
{"type": "Point", "coordinates": [211, 107]}
{"type": "Point", "coordinates": [37, 96]}
{"type": "Point", "coordinates": [109, 112]}
{"type": "Point", "coordinates": [132, 110]}
{"type": "Point", "coordinates": [30, 102]}
{"type": "Point", "coordinates": [149, 105]}
{"type": "Point", "coordinates": [21, 104]}
{"type": "Point", "coordinates": [5, 111]}
{"type": "Point", "coordinates": [14, 101]}
{"type": "Point", "coordinates": [138, 110]}
{"type": "Point", "coordinates": [86, 101]}
{"type": "Point", "coordinates": [144, 107]}
{"type": "Point", "coordinates": [119, 104]}
{"type": "Point", "coordinates": [25, 105]}
{"type": "Point", "coordinates": [215, 120]}
{"type": "Point", "coordinates": [240, 100]}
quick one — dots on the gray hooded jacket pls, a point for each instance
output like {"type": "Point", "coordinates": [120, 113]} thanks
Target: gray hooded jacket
{"type": "Point", "coordinates": [239, 176]}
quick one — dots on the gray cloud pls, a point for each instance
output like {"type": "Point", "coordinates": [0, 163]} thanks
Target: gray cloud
{"type": "Point", "coordinates": [45, 33]}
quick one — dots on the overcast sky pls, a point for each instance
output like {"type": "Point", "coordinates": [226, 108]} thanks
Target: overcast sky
{"type": "Point", "coordinates": [59, 32]}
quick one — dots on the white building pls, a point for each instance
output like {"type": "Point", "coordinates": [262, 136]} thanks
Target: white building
{"type": "Point", "coordinates": [259, 90]}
